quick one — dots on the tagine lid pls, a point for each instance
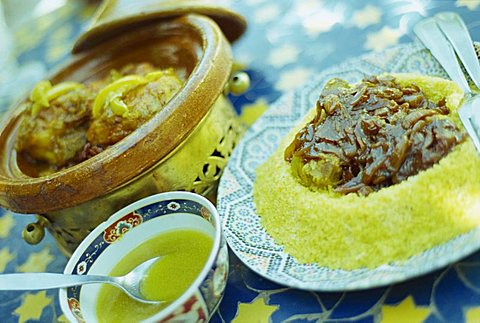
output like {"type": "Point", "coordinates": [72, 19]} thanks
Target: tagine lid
{"type": "Point", "coordinates": [117, 16]}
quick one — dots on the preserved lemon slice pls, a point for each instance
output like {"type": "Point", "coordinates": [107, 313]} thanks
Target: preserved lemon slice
{"type": "Point", "coordinates": [118, 106]}
{"type": "Point", "coordinates": [39, 93]}
{"type": "Point", "coordinates": [152, 76]}
{"type": "Point", "coordinates": [62, 88]}
{"type": "Point", "coordinates": [44, 92]}
{"type": "Point", "coordinates": [111, 95]}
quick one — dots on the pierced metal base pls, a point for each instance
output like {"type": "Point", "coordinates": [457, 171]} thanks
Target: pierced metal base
{"type": "Point", "coordinates": [196, 166]}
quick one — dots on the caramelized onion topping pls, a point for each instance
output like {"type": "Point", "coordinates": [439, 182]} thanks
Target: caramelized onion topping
{"type": "Point", "coordinates": [371, 135]}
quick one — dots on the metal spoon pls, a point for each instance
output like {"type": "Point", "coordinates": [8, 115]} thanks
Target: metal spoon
{"type": "Point", "coordinates": [130, 283]}
{"type": "Point", "coordinates": [447, 36]}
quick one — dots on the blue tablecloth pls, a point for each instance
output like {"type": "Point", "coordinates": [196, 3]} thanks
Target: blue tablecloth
{"type": "Point", "coordinates": [286, 43]}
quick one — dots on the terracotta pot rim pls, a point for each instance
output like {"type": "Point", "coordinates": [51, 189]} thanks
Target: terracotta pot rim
{"type": "Point", "coordinates": [232, 24]}
{"type": "Point", "coordinates": [137, 153]}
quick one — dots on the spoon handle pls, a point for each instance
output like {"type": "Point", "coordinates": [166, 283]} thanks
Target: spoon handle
{"type": "Point", "coordinates": [457, 33]}
{"type": "Point", "coordinates": [433, 38]}
{"type": "Point", "coordinates": [36, 281]}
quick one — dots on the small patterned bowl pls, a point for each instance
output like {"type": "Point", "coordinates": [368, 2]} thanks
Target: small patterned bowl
{"type": "Point", "coordinates": [102, 249]}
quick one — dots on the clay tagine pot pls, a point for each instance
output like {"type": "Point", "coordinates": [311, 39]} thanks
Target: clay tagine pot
{"type": "Point", "coordinates": [185, 146]}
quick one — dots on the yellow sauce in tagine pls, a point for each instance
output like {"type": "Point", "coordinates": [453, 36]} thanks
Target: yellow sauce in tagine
{"type": "Point", "coordinates": [184, 254]}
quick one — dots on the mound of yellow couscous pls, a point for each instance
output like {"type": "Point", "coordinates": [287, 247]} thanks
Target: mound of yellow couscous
{"type": "Point", "coordinates": [353, 231]}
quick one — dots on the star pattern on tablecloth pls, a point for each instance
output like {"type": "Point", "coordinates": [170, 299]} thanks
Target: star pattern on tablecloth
{"type": "Point", "coordinates": [251, 112]}
{"type": "Point", "coordinates": [7, 222]}
{"type": "Point", "coordinates": [5, 257]}
{"type": "Point", "coordinates": [284, 54]}
{"type": "Point", "coordinates": [256, 311]}
{"type": "Point", "coordinates": [59, 43]}
{"type": "Point", "coordinates": [32, 306]}
{"type": "Point", "coordinates": [26, 40]}
{"type": "Point", "coordinates": [37, 261]}
{"type": "Point", "coordinates": [316, 17]}
{"type": "Point", "coordinates": [311, 27]}
{"type": "Point", "coordinates": [292, 78]}
{"type": "Point", "coordinates": [382, 39]}
{"type": "Point", "coordinates": [369, 15]}
{"type": "Point", "coordinates": [55, 52]}
{"type": "Point", "coordinates": [266, 14]}
{"type": "Point", "coordinates": [87, 12]}
{"type": "Point", "coordinates": [472, 314]}
{"type": "Point", "coordinates": [470, 4]}
{"type": "Point", "coordinates": [254, 2]}
{"type": "Point", "coordinates": [405, 311]}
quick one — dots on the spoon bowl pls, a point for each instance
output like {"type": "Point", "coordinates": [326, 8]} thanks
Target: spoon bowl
{"type": "Point", "coordinates": [130, 283]}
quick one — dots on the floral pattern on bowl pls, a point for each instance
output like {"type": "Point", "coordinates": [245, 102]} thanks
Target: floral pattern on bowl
{"type": "Point", "coordinates": [197, 304]}
{"type": "Point", "coordinates": [121, 226]}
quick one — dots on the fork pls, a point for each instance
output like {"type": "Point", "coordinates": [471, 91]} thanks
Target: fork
{"type": "Point", "coordinates": [447, 36]}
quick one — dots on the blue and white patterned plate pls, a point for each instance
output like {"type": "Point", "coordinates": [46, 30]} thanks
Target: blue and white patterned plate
{"type": "Point", "coordinates": [242, 227]}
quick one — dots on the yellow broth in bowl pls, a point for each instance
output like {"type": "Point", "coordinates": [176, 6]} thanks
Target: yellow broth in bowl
{"type": "Point", "coordinates": [184, 254]}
